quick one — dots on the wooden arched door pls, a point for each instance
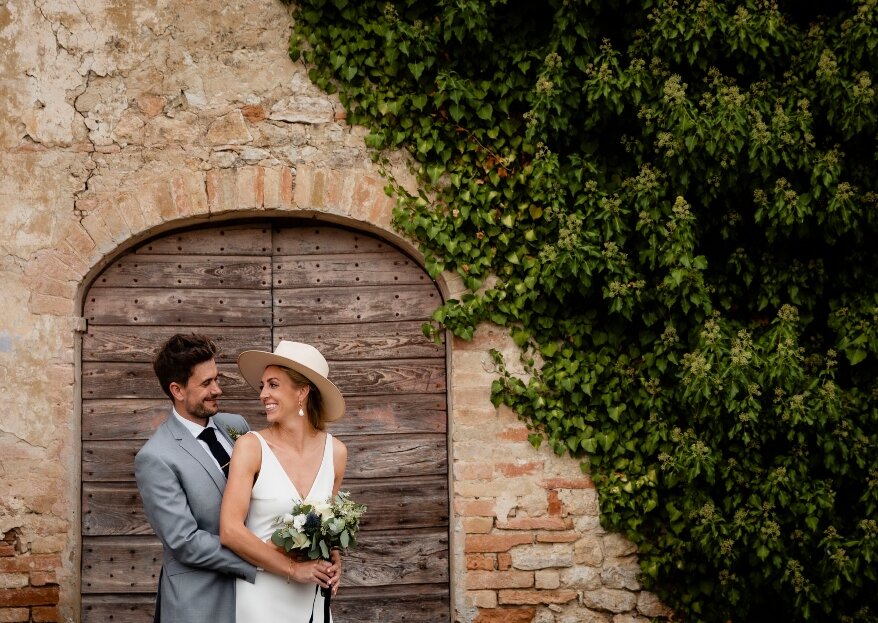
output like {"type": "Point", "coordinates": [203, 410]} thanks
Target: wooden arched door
{"type": "Point", "coordinates": [356, 298]}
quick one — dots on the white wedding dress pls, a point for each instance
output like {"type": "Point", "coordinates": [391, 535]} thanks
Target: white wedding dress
{"type": "Point", "coordinates": [271, 599]}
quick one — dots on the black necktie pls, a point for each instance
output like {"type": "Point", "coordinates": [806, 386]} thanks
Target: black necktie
{"type": "Point", "coordinates": [208, 436]}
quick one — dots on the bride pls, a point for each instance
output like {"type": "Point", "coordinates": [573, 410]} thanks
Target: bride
{"type": "Point", "coordinates": [291, 460]}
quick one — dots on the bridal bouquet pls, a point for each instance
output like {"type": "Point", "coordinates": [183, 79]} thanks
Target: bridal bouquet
{"type": "Point", "coordinates": [316, 527]}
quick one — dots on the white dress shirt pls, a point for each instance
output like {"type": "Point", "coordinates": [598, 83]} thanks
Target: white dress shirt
{"type": "Point", "coordinates": [196, 429]}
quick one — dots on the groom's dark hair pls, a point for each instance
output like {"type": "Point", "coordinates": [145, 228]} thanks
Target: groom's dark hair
{"type": "Point", "coordinates": [177, 357]}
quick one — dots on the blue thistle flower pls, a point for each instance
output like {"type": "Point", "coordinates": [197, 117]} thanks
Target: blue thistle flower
{"type": "Point", "coordinates": [312, 523]}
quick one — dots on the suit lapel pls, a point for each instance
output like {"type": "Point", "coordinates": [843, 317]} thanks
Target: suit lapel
{"type": "Point", "coordinates": [223, 429]}
{"type": "Point", "coordinates": [189, 444]}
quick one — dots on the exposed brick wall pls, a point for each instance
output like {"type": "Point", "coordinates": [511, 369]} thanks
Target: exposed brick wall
{"type": "Point", "coordinates": [28, 585]}
{"type": "Point", "coordinates": [532, 545]}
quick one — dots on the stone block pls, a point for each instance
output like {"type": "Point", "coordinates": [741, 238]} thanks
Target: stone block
{"type": "Point", "coordinates": [49, 544]}
{"type": "Point", "coordinates": [547, 579]}
{"type": "Point", "coordinates": [557, 537]}
{"type": "Point", "coordinates": [45, 614]}
{"type": "Point", "coordinates": [127, 131]}
{"type": "Point", "coordinates": [542, 556]}
{"type": "Point", "coordinates": [483, 562]}
{"type": "Point", "coordinates": [478, 525]}
{"type": "Point", "coordinates": [14, 615]}
{"type": "Point", "coordinates": [579, 501]}
{"type": "Point", "coordinates": [482, 599]}
{"type": "Point", "coordinates": [649, 605]}
{"type": "Point", "coordinates": [588, 551]}
{"type": "Point", "coordinates": [588, 524]}
{"type": "Point", "coordinates": [97, 230]}
{"type": "Point", "coordinates": [469, 450]}
{"type": "Point", "coordinates": [303, 188]}
{"type": "Point", "coordinates": [583, 578]}
{"type": "Point", "coordinates": [303, 109]}
{"type": "Point", "coordinates": [78, 240]}
{"type": "Point", "coordinates": [515, 433]}
{"type": "Point", "coordinates": [519, 468]}
{"type": "Point", "coordinates": [249, 187]}
{"type": "Point", "coordinates": [230, 129]}
{"type": "Point", "coordinates": [472, 470]}
{"type": "Point", "coordinates": [60, 289]}
{"type": "Point", "coordinates": [569, 483]}
{"type": "Point", "coordinates": [150, 104]}
{"type": "Point", "coordinates": [609, 599]}
{"type": "Point", "coordinates": [278, 192]}
{"type": "Point", "coordinates": [475, 488]}
{"type": "Point", "coordinates": [42, 578]}
{"type": "Point", "coordinates": [157, 200]}
{"type": "Point", "coordinates": [533, 597]}
{"type": "Point", "coordinates": [621, 573]}
{"type": "Point", "coordinates": [190, 194]}
{"type": "Point", "coordinates": [629, 618]}
{"type": "Point", "coordinates": [221, 188]}
{"type": "Point", "coordinates": [617, 546]}
{"type": "Point", "coordinates": [114, 223]}
{"type": "Point", "coordinates": [496, 542]}
{"type": "Point", "coordinates": [254, 113]}
{"type": "Point", "coordinates": [474, 508]}
{"type": "Point", "coordinates": [582, 615]}
{"type": "Point", "coordinates": [479, 397]}
{"type": "Point", "coordinates": [482, 580]}
{"type": "Point", "coordinates": [129, 208]}
{"type": "Point", "coordinates": [553, 503]}
{"type": "Point", "coordinates": [254, 155]}
{"type": "Point", "coordinates": [535, 523]}
{"type": "Point", "coordinates": [331, 190]}
{"type": "Point", "coordinates": [505, 615]}
{"type": "Point", "coordinates": [504, 561]}
{"type": "Point", "coordinates": [29, 596]}
{"type": "Point", "coordinates": [367, 188]}
{"type": "Point", "coordinates": [380, 212]}
{"type": "Point", "coordinates": [14, 580]}
{"type": "Point", "coordinates": [49, 305]}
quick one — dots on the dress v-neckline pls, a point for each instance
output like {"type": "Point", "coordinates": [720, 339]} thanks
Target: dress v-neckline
{"type": "Point", "coordinates": [284, 471]}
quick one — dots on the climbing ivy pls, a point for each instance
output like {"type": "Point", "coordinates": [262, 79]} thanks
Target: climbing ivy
{"type": "Point", "coordinates": [673, 208]}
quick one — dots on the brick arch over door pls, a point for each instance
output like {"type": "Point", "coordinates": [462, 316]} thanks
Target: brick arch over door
{"type": "Point", "coordinates": [357, 298]}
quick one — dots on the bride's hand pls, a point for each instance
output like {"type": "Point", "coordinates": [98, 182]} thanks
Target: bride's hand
{"type": "Point", "coordinates": [312, 572]}
{"type": "Point", "coordinates": [335, 570]}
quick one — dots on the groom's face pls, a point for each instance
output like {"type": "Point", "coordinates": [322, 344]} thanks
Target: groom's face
{"type": "Point", "coordinates": [196, 400]}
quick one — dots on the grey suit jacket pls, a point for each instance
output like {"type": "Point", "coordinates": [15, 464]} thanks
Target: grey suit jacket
{"type": "Point", "coordinates": [182, 489]}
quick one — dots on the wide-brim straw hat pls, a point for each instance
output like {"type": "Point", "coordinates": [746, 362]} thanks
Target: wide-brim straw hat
{"type": "Point", "coordinates": [304, 359]}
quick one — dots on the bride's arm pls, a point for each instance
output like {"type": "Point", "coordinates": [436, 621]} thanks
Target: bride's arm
{"type": "Point", "coordinates": [246, 460]}
{"type": "Point", "coordinates": [339, 462]}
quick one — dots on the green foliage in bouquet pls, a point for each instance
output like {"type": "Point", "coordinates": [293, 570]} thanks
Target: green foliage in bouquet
{"type": "Point", "coordinates": [673, 207]}
{"type": "Point", "coordinates": [315, 528]}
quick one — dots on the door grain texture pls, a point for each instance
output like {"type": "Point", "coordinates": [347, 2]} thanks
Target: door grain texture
{"type": "Point", "coordinates": [355, 297]}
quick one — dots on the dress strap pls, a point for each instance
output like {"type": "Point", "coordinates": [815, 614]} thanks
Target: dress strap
{"type": "Point", "coordinates": [327, 449]}
{"type": "Point", "coordinates": [263, 445]}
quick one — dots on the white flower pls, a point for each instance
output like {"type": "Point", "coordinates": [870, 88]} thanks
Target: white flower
{"type": "Point", "coordinates": [299, 521]}
{"type": "Point", "coordinates": [324, 509]}
{"type": "Point", "coordinates": [288, 518]}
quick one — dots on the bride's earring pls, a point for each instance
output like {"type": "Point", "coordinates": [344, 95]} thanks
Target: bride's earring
{"type": "Point", "coordinates": [301, 410]}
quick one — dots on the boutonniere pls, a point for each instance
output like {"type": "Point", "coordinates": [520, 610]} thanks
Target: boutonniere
{"type": "Point", "coordinates": [234, 433]}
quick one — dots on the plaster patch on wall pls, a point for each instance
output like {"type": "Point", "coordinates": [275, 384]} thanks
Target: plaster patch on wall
{"type": "Point", "coordinates": [6, 341]}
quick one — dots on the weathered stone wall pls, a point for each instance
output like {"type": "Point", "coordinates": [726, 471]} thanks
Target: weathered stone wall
{"type": "Point", "coordinates": [124, 118]}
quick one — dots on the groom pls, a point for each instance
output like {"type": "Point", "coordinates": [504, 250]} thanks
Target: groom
{"type": "Point", "coordinates": [181, 474]}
